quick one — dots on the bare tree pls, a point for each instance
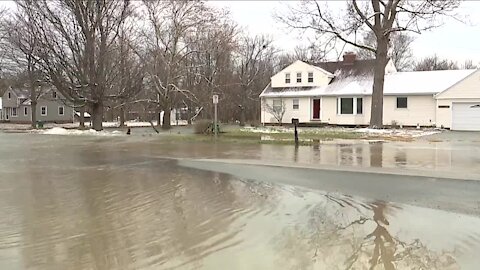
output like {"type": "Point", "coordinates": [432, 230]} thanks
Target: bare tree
{"type": "Point", "coordinates": [360, 17]}
{"type": "Point", "coordinates": [400, 51]}
{"type": "Point", "coordinates": [129, 74]}
{"type": "Point", "coordinates": [23, 49]}
{"type": "Point", "coordinates": [309, 54]}
{"type": "Point", "coordinates": [468, 64]}
{"type": "Point", "coordinates": [435, 63]}
{"type": "Point", "coordinates": [169, 23]}
{"type": "Point", "coordinates": [276, 110]}
{"type": "Point", "coordinates": [210, 66]}
{"type": "Point", "coordinates": [77, 40]}
{"type": "Point", "coordinates": [254, 56]}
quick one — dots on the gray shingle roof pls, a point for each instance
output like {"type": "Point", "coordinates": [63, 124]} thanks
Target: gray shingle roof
{"type": "Point", "coordinates": [344, 69]}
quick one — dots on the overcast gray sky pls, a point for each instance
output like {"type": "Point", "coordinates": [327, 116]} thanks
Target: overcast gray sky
{"type": "Point", "coordinates": [455, 40]}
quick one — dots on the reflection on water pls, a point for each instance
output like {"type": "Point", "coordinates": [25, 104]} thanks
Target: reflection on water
{"type": "Point", "coordinates": [344, 233]}
{"type": "Point", "coordinates": [96, 204]}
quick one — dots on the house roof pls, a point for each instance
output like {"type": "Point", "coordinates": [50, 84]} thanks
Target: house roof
{"type": "Point", "coordinates": [343, 69]}
{"type": "Point", "coordinates": [85, 114]}
{"type": "Point", "coordinates": [21, 93]}
{"type": "Point", "coordinates": [399, 83]}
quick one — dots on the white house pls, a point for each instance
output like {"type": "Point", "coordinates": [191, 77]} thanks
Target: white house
{"type": "Point", "coordinates": [339, 93]}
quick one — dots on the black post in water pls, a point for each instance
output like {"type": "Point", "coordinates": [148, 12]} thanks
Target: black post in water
{"type": "Point", "coordinates": [295, 124]}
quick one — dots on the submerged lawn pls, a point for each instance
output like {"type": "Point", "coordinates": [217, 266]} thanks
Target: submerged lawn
{"type": "Point", "coordinates": [305, 137]}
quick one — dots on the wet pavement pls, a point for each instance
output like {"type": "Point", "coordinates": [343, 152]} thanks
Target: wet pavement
{"type": "Point", "coordinates": [85, 202]}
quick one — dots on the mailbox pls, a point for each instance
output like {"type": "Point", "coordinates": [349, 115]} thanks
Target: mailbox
{"type": "Point", "coordinates": [295, 121]}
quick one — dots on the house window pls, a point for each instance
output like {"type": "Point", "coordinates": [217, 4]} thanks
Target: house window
{"type": "Point", "coordinates": [43, 110]}
{"type": "Point", "coordinates": [295, 104]}
{"type": "Point", "coordinates": [402, 103]}
{"type": "Point", "coordinates": [61, 110]}
{"type": "Point", "coordinates": [9, 95]}
{"type": "Point", "coordinates": [359, 105]}
{"type": "Point", "coordinates": [299, 77]}
{"type": "Point", "coordinates": [25, 111]}
{"type": "Point", "coordinates": [310, 77]}
{"type": "Point", "coordinates": [287, 77]}
{"type": "Point", "coordinates": [277, 105]}
{"type": "Point", "coordinates": [54, 94]}
{"type": "Point", "coordinates": [14, 111]}
{"type": "Point", "coordinates": [346, 105]}
{"type": "Point", "coordinates": [353, 106]}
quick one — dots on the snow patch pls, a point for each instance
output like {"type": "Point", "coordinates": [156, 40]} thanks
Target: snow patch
{"type": "Point", "coordinates": [405, 133]}
{"type": "Point", "coordinates": [63, 131]}
{"type": "Point", "coordinates": [413, 133]}
{"type": "Point", "coordinates": [263, 130]}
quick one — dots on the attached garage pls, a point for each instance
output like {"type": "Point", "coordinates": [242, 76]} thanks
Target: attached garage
{"type": "Point", "coordinates": [466, 116]}
{"type": "Point", "coordinates": [458, 107]}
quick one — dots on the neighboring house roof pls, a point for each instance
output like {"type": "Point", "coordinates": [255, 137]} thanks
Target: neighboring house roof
{"type": "Point", "coordinates": [21, 93]}
{"type": "Point", "coordinates": [399, 83]}
{"type": "Point", "coordinates": [85, 114]}
{"type": "Point", "coordinates": [27, 102]}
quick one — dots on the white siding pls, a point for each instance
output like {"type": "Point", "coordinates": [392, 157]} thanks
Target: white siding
{"type": "Point", "coordinates": [303, 112]}
{"type": "Point", "coordinates": [467, 88]}
{"type": "Point", "coordinates": [328, 113]}
{"type": "Point", "coordinates": [320, 78]}
{"type": "Point", "coordinates": [421, 110]}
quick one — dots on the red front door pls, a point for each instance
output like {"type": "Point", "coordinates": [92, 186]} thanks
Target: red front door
{"type": "Point", "coordinates": [316, 109]}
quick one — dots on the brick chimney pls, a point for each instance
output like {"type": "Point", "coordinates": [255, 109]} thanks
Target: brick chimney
{"type": "Point", "coordinates": [349, 58]}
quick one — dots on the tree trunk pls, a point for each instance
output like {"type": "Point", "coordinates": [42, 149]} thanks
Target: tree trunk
{"type": "Point", "coordinates": [376, 118]}
{"type": "Point", "coordinates": [82, 117]}
{"type": "Point", "coordinates": [189, 113]}
{"type": "Point", "coordinates": [242, 116]}
{"type": "Point", "coordinates": [122, 117]}
{"type": "Point", "coordinates": [166, 119]}
{"type": "Point", "coordinates": [97, 116]}
{"type": "Point", "coordinates": [33, 106]}
{"type": "Point", "coordinates": [158, 113]}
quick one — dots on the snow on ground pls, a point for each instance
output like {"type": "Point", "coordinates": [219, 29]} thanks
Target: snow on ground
{"type": "Point", "coordinates": [63, 131]}
{"type": "Point", "coordinates": [404, 133]}
{"type": "Point", "coordinates": [12, 126]}
{"type": "Point", "coordinates": [266, 130]}
{"type": "Point", "coordinates": [414, 133]}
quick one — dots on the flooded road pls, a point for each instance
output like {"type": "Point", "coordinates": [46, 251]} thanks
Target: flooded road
{"type": "Point", "coordinates": [74, 202]}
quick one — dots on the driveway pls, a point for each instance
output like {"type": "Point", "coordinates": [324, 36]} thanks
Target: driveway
{"type": "Point", "coordinates": [455, 136]}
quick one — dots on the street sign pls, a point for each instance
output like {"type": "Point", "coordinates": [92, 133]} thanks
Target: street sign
{"type": "Point", "coordinates": [215, 99]}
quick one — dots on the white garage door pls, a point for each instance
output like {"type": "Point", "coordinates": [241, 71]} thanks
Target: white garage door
{"type": "Point", "coordinates": [466, 116]}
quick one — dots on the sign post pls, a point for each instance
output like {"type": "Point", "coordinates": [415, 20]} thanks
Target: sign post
{"type": "Point", "coordinates": [295, 124]}
{"type": "Point", "coordinates": [215, 102]}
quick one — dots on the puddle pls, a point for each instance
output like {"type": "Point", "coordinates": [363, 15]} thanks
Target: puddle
{"type": "Point", "coordinates": [94, 203]}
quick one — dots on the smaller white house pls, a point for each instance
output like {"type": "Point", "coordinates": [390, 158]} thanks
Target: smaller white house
{"type": "Point", "coordinates": [339, 93]}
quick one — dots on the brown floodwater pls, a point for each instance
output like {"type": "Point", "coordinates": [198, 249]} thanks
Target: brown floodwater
{"type": "Point", "coordinates": [80, 202]}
